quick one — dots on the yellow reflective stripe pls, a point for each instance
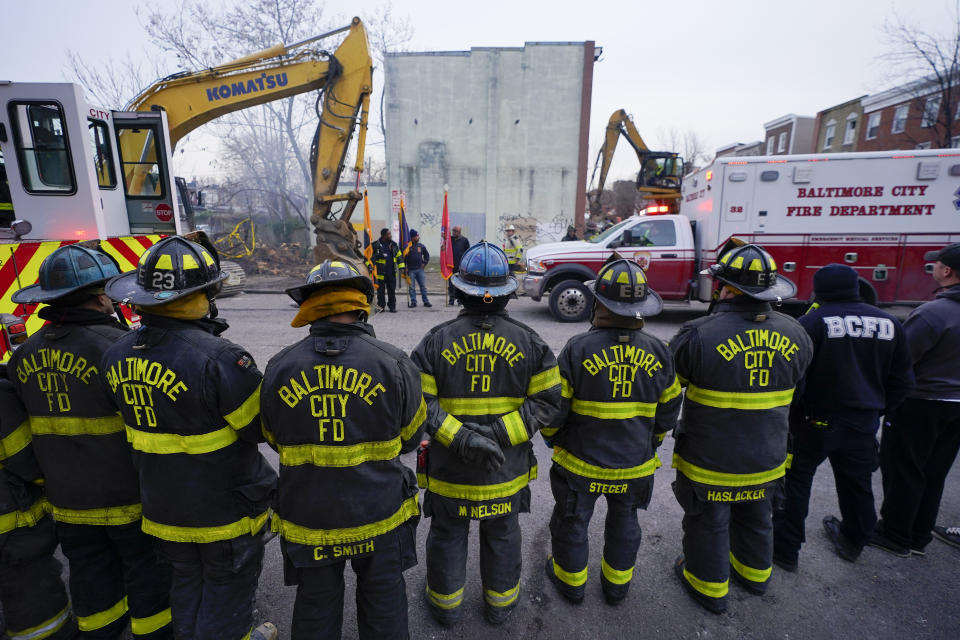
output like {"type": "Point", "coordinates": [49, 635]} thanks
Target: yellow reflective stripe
{"type": "Point", "coordinates": [572, 578]}
{"type": "Point", "coordinates": [706, 476]}
{"type": "Point", "coordinates": [16, 442]}
{"type": "Point", "coordinates": [582, 468]}
{"type": "Point", "coordinates": [103, 618]}
{"type": "Point", "coordinates": [302, 535]}
{"type": "Point", "coordinates": [737, 400]}
{"type": "Point", "coordinates": [683, 381]}
{"type": "Point", "coordinates": [549, 432]}
{"type": "Point", "coordinates": [670, 392]}
{"type": "Point", "coordinates": [751, 574]}
{"type": "Point", "coordinates": [480, 406]}
{"type": "Point", "coordinates": [106, 516]}
{"type": "Point", "coordinates": [789, 462]}
{"type": "Point", "coordinates": [43, 630]}
{"type": "Point", "coordinates": [428, 384]}
{"type": "Point", "coordinates": [445, 600]}
{"type": "Point", "coordinates": [28, 518]}
{"type": "Point", "coordinates": [320, 455]}
{"type": "Point", "coordinates": [709, 589]}
{"type": "Point", "coordinates": [243, 527]}
{"type": "Point", "coordinates": [660, 437]}
{"type": "Point", "coordinates": [476, 492]}
{"type": "Point", "coordinates": [268, 436]}
{"type": "Point", "coordinates": [505, 599]}
{"type": "Point", "coordinates": [544, 380]}
{"type": "Point", "coordinates": [516, 430]}
{"type": "Point", "coordinates": [176, 443]}
{"type": "Point", "coordinates": [146, 626]}
{"type": "Point", "coordinates": [73, 426]}
{"type": "Point", "coordinates": [416, 422]}
{"type": "Point", "coordinates": [613, 410]}
{"type": "Point", "coordinates": [448, 429]}
{"type": "Point", "coordinates": [566, 389]}
{"type": "Point", "coordinates": [242, 415]}
{"type": "Point", "coordinates": [615, 576]}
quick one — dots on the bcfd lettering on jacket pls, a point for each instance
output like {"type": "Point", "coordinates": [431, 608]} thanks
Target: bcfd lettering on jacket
{"type": "Point", "coordinates": [335, 378]}
{"type": "Point", "coordinates": [859, 327]}
{"type": "Point", "coordinates": [468, 345]}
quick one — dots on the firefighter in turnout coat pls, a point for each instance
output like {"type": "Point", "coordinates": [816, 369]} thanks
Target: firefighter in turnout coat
{"type": "Point", "coordinates": [190, 401]}
{"type": "Point", "coordinates": [81, 446]}
{"type": "Point", "coordinates": [340, 407]}
{"type": "Point", "coordinates": [490, 384]}
{"type": "Point", "coordinates": [32, 595]}
{"type": "Point", "coordinates": [740, 366]}
{"type": "Point", "coordinates": [620, 397]}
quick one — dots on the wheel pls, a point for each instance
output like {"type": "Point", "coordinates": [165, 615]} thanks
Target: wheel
{"type": "Point", "coordinates": [571, 301]}
{"type": "Point", "coordinates": [236, 279]}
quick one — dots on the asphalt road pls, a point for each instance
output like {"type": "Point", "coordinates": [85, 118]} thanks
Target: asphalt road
{"type": "Point", "coordinates": [879, 596]}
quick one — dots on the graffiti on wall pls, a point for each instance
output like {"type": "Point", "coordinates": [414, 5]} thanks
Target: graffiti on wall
{"type": "Point", "coordinates": [533, 231]}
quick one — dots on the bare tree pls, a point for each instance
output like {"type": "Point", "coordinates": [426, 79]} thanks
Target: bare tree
{"type": "Point", "coordinates": [934, 57]}
{"type": "Point", "coordinates": [689, 144]}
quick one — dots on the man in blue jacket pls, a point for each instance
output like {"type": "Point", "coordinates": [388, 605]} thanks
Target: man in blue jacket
{"type": "Point", "coordinates": [860, 370]}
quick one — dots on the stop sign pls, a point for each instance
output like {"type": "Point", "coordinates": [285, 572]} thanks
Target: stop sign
{"type": "Point", "coordinates": [164, 212]}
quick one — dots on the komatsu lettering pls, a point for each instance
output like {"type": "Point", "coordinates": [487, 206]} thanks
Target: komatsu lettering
{"type": "Point", "coordinates": [329, 377]}
{"type": "Point", "coordinates": [65, 362]}
{"type": "Point", "coordinates": [265, 82]}
{"type": "Point", "coordinates": [472, 343]}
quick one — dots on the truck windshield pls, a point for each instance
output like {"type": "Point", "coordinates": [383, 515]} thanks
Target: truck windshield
{"type": "Point", "coordinates": [617, 228]}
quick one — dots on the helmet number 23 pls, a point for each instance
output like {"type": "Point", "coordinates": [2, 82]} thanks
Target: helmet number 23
{"type": "Point", "coordinates": [163, 280]}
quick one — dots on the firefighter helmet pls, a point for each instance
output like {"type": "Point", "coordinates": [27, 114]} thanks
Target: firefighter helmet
{"type": "Point", "coordinates": [753, 271]}
{"type": "Point", "coordinates": [621, 286]}
{"type": "Point", "coordinates": [67, 270]}
{"type": "Point", "coordinates": [331, 273]}
{"type": "Point", "coordinates": [171, 269]}
{"type": "Point", "coordinates": [484, 272]}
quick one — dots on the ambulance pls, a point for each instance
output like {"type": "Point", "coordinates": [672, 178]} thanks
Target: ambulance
{"type": "Point", "coordinates": [878, 212]}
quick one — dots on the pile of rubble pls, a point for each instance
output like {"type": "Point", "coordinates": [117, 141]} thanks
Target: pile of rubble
{"type": "Point", "coordinates": [285, 259]}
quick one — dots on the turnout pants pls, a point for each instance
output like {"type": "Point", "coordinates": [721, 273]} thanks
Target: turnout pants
{"type": "Point", "coordinates": [32, 594]}
{"type": "Point", "coordinates": [718, 536]}
{"type": "Point", "coordinates": [500, 560]}
{"type": "Point", "coordinates": [916, 453]}
{"type": "Point", "coordinates": [381, 591]}
{"type": "Point", "coordinates": [115, 578]}
{"type": "Point", "coordinates": [568, 531]}
{"type": "Point", "coordinates": [853, 458]}
{"type": "Point", "coordinates": [387, 288]}
{"type": "Point", "coordinates": [214, 586]}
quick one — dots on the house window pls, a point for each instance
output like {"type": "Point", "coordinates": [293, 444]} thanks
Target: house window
{"type": "Point", "coordinates": [829, 134]}
{"type": "Point", "coordinates": [873, 125]}
{"type": "Point", "coordinates": [955, 142]}
{"type": "Point", "coordinates": [899, 119]}
{"type": "Point", "coordinates": [851, 129]}
{"type": "Point", "coordinates": [923, 145]}
{"type": "Point", "coordinates": [931, 111]}
{"type": "Point", "coordinates": [782, 142]}
{"type": "Point", "coordinates": [770, 146]}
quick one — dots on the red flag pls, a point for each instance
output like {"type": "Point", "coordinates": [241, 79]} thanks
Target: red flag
{"type": "Point", "coordinates": [446, 246]}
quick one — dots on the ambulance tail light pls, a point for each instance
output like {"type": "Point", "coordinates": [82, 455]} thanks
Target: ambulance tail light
{"type": "Point", "coordinates": [13, 329]}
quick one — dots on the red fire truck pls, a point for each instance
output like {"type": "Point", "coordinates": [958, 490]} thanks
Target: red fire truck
{"type": "Point", "coordinates": [878, 212]}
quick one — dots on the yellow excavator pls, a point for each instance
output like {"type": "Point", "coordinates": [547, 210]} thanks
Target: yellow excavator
{"type": "Point", "coordinates": [344, 79]}
{"type": "Point", "coordinates": [661, 172]}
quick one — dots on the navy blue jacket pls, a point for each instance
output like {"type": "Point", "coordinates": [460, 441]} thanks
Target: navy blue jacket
{"type": "Point", "coordinates": [861, 365]}
{"type": "Point", "coordinates": [417, 256]}
{"type": "Point", "coordinates": [459, 246]}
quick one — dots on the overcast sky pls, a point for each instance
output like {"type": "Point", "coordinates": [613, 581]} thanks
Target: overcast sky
{"type": "Point", "coordinates": [720, 68]}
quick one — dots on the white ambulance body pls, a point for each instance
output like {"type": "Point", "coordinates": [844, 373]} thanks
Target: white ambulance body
{"type": "Point", "coordinates": [878, 212]}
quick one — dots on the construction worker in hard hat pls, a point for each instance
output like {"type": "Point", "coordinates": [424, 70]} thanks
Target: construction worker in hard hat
{"type": "Point", "coordinates": [513, 247]}
{"type": "Point", "coordinates": [740, 366]}
{"type": "Point", "coordinates": [81, 446]}
{"type": "Point", "coordinates": [490, 384]}
{"type": "Point", "coordinates": [620, 398]}
{"type": "Point", "coordinates": [190, 401]}
{"type": "Point", "coordinates": [32, 594]}
{"type": "Point", "coordinates": [340, 407]}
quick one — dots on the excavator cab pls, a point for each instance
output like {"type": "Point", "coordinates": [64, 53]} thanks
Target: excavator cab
{"type": "Point", "coordinates": [660, 170]}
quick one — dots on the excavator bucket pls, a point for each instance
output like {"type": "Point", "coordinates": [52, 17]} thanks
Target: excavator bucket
{"type": "Point", "coordinates": [336, 240]}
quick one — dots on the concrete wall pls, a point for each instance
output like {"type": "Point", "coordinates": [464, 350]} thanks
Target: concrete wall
{"type": "Point", "coordinates": [504, 128]}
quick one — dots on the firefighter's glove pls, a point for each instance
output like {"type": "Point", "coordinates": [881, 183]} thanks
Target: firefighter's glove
{"type": "Point", "coordinates": [496, 432]}
{"type": "Point", "coordinates": [475, 449]}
